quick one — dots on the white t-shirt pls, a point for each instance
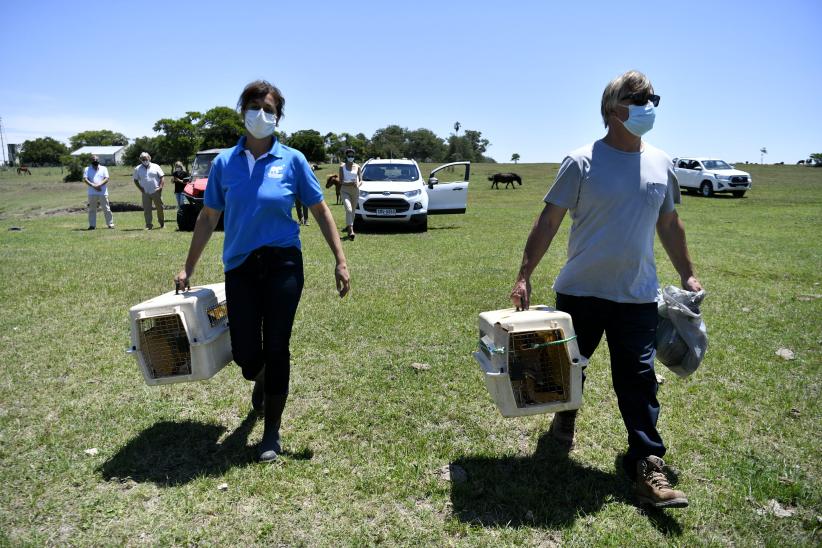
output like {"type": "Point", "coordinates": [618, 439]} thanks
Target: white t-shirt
{"type": "Point", "coordinates": [97, 176]}
{"type": "Point", "coordinates": [148, 178]}
{"type": "Point", "coordinates": [615, 199]}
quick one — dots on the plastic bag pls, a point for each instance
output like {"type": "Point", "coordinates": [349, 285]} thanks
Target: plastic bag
{"type": "Point", "coordinates": [681, 334]}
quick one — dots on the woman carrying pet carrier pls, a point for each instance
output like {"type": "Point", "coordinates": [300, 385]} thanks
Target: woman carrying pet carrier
{"type": "Point", "coordinates": [255, 185]}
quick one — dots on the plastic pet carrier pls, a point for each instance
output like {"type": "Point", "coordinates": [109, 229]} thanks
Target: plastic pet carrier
{"type": "Point", "coordinates": [530, 360]}
{"type": "Point", "coordinates": [179, 337]}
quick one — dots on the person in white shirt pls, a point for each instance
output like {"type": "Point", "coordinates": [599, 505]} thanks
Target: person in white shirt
{"type": "Point", "coordinates": [350, 179]}
{"type": "Point", "coordinates": [96, 176]}
{"type": "Point", "coordinates": [148, 178]}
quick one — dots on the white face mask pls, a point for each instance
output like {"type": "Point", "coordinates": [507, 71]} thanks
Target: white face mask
{"type": "Point", "coordinates": [640, 119]}
{"type": "Point", "coordinates": [350, 159]}
{"type": "Point", "coordinates": [145, 162]}
{"type": "Point", "coordinates": [259, 123]}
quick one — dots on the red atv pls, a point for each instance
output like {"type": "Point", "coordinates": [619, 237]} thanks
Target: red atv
{"type": "Point", "coordinates": [194, 190]}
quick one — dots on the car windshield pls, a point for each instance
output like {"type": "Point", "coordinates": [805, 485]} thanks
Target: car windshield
{"type": "Point", "coordinates": [202, 165]}
{"type": "Point", "coordinates": [390, 172]}
{"type": "Point", "coordinates": [715, 164]}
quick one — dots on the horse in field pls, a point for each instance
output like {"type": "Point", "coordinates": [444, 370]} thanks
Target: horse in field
{"type": "Point", "coordinates": [23, 169]}
{"type": "Point", "coordinates": [334, 180]}
{"type": "Point", "coordinates": [507, 178]}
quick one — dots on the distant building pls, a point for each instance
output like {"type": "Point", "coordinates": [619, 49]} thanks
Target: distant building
{"type": "Point", "coordinates": [109, 156]}
{"type": "Point", "coordinates": [14, 150]}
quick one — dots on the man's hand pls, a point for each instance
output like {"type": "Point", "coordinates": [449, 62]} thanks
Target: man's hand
{"type": "Point", "coordinates": [521, 294]}
{"type": "Point", "coordinates": [691, 284]}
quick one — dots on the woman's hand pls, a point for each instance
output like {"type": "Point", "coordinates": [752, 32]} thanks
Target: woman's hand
{"type": "Point", "coordinates": [521, 294]}
{"type": "Point", "coordinates": [343, 279]}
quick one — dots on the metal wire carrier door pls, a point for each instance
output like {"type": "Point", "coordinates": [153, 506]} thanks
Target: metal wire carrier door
{"type": "Point", "coordinates": [539, 366]}
{"type": "Point", "coordinates": [165, 346]}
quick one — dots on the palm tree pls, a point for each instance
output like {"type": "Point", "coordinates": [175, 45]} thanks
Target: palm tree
{"type": "Point", "coordinates": [457, 127]}
{"type": "Point", "coordinates": [515, 157]}
{"type": "Point", "coordinates": [763, 151]}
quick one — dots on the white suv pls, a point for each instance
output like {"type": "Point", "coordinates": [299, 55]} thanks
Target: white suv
{"type": "Point", "coordinates": [709, 176]}
{"type": "Point", "coordinates": [393, 191]}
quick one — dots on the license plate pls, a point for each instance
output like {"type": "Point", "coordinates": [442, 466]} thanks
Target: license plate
{"type": "Point", "coordinates": [386, 212]}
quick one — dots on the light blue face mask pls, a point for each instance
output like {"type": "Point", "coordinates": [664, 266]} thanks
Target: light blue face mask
{"type": "Point", "coordinates": [640, 119]}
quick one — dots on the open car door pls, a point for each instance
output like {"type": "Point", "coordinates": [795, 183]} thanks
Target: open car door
{"type": "Point", "coordinates": [451, 194]}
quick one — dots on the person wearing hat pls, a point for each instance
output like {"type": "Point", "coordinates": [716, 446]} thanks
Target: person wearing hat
{"type": "Point", "coordinates": [149, 178]}
{"type": "Point", "coordinates": [350, 181]}
{"type": "Point", "coordinates": [179, 176]}
{"type": "Point", "coordinates": [96, 178]}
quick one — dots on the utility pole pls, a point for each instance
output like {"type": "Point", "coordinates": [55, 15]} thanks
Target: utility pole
{"type": "Point", "coordinates": [2, 141]}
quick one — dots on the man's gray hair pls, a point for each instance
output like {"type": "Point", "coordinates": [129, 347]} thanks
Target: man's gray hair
{"type": "Point", "coordinates": [632, 81]}
{"type": "Point", "coordinates": [145, 155]}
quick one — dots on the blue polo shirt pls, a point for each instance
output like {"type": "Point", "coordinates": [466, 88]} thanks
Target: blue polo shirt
{"type": "Point", "coordinates": [257, 205]}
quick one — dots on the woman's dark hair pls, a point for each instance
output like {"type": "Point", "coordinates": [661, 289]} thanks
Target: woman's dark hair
{"type": "Point", "coordinates": [258, 89]}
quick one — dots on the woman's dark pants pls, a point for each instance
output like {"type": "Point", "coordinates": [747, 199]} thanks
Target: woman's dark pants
{"type": "Point", "coordinates": [262, 296]}
{"type": "Point", "coordinates": [631, 333]}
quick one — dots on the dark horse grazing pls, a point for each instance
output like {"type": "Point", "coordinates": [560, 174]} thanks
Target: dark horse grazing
{"type": "Point", "coordinates": [23, 169]}
{"type": "Point", "coordinates": [334, 180]}
{"type": "Point", "coordinates": [507, 178]}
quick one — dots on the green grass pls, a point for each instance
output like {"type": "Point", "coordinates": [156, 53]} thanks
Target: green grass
{"type": "Point", "coordinates": [365, 432]}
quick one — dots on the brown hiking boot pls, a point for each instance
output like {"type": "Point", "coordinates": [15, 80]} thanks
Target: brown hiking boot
{"type": "Point", "coordinates": [652, 486]}
{"type": "Point", "coordinates": [562, 428]}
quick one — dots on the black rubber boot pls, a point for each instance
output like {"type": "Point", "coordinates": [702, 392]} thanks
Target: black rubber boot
{"type": "Point", "coordinates": [258, 393]}
{"type": "Point", "coordinates": [270, 447]}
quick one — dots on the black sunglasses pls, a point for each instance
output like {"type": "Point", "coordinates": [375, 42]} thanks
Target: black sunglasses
{"type": "Point", "coordinates": [641, 99]}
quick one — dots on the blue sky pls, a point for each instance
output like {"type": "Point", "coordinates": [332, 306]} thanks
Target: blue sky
{"type": "Point", "coordinates": [734, 76]}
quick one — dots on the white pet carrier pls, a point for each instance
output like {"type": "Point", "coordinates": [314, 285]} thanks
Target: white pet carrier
{"type": "Point", "coordinates": [181, 337]}
{"type": "Point", "coordinates": [530, 360]}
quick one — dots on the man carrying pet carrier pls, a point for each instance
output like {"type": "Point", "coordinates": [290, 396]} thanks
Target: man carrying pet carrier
{"type": "Point", "coordinates": [618, 190]}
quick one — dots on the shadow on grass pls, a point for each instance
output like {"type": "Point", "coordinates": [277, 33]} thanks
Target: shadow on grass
{"type": "Point", "coordinates": [547, 489]}
{"type": "Point", "coordinates": [174, 453]}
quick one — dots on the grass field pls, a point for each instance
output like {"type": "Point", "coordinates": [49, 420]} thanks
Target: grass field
{"type": "Point", "coordinates": [366, 433]}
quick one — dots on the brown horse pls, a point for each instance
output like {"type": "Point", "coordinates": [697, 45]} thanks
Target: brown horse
{"type": "Point", "coordinates": [23, 169]}
{"type": "Point", "coordinates": [334, 180]}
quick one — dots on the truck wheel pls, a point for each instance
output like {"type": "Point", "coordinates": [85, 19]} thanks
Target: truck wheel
{"type": "Point", "coordinates": [706, 189]}
{"type": "Point", "coordinates": [186, 217]}
{"type": "Point", "coordinates": [422, 225]}
{"type": "Point", "coordinates": [358, 223]}
{"type": "Point", "coordinates": [738, 193]}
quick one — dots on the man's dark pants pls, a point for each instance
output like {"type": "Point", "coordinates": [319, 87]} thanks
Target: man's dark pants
{"type": "Point", "coordinates": [631, 332]}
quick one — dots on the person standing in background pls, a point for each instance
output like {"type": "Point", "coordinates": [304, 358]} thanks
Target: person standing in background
{"type": "Point", "coordinates": [350, 181]}
{"type": "Point", "coordinates": [96, 178]}
{"type": "Point", "coordinates": [179, 176]}
{"type": "Point", "coordinates": [149, 179]}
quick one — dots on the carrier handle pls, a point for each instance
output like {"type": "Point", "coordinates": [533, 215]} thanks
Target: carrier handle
{"type": "Point", "coordinates": [186, 288]}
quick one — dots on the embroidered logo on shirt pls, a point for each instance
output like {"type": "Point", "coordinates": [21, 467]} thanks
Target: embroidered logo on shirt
{"type": "Point", "coordinates": [275, 172]}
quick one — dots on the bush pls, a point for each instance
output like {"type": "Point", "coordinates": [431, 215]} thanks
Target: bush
{"type": "Point", "coordinates": [74, 166]}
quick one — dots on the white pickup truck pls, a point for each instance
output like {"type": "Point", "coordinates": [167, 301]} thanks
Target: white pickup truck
{"type": "Point", "coordinates": [709, 176]}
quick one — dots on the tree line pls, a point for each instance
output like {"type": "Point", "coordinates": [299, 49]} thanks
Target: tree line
{"type": "Point", "coordinates": [221, 127]}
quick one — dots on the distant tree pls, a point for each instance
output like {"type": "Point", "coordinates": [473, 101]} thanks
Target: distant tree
{"type": "Point", "coordinates": [457, 127]}
{"type": "Point", "coordinates": [424, 145]}
{"type": "Point", "coordinates": [97, 138]}
{"type": "Point", "coordinates": [179, 139]}
{"type": "Point", "coordinates": [515, 157]}
{"type": "Point", "coordinates": [817, 156]}
{"type": "Point", "coordinates": [220, 127]}
{"type": "Point", "coordinates": [42, 151]}
{"type": "Point", "coordinates": [131, 156]}
{"type": "Point", "coordinates": [333, 146]}
{"type": "Point", "coordinates": [471, 146]}
{"type": "Point", "coordinates": [389, 142]}
{"type": "Point", "coordinates": [310, 143]}
{"type": "Point", "coordinates": [762, 152]}
{"type": "Point", "coordinates": [74, 166]}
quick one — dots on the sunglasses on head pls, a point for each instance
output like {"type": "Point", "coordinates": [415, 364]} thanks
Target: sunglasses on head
{"type": "Point", "coordinates": [641, 98]}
